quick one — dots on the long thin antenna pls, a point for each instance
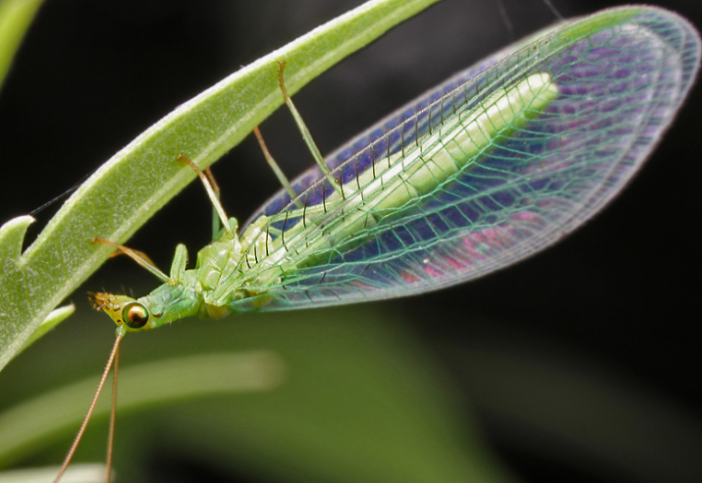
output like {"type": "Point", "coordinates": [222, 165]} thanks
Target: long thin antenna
{"type": "Point", "coordinates": [79, 435]}
{"type": "Point", "coordinates": [505, 18]}
{"type": "Point", "coordinates": [53, 200]}
{"type": "Point", "coordinates": [555, 12]}
{"type": "Point", "coordinates": [113, 418]}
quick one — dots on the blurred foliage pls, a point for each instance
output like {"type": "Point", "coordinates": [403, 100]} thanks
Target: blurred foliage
{"type": "Point", "coordinates": [360, 401]}
{"type": "Point", "coordinates": [15, 18]}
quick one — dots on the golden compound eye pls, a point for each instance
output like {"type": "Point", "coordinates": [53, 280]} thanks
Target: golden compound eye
{"type": "Point", "coordinates": [135, 315]}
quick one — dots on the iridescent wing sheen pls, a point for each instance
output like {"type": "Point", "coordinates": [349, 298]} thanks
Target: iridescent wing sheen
{"type": "Point", "coordinates": [621, 74]}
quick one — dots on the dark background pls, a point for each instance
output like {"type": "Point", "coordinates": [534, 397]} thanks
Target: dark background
{"type": "Point", "coordinates": [624, 290]}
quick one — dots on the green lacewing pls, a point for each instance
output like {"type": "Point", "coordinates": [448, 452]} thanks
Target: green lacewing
{"type": "Point", "coordinates": [492, 166]}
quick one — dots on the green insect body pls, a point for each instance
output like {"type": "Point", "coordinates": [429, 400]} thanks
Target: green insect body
{"type": "Point", "coordinates": [233, 268]}
{"type": "Point", "coordinates": [378, 194]}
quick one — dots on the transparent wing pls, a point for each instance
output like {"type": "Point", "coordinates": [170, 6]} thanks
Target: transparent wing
{"type": "Point", "coordinates": [621, 75]}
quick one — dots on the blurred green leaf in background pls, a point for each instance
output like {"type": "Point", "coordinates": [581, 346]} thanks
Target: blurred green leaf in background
{"type": "Point", "coordinates": [15, 18]}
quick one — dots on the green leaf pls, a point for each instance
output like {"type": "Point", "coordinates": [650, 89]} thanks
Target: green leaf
{"type": "Point", "coordinates": [145, 175]}
{"type": "Point", "coordinates": [15, 18]}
